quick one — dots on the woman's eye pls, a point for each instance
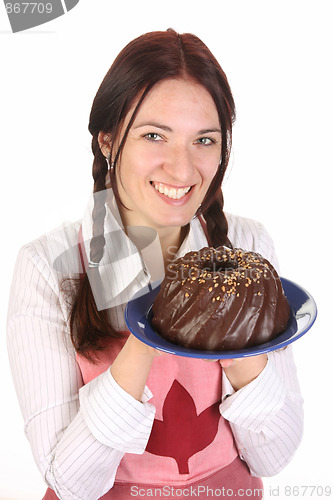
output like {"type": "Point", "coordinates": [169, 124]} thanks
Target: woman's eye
{"type": "Point", "coordinates": [206, 141]}
{"type": "Point", "coordinates": [152, 136]}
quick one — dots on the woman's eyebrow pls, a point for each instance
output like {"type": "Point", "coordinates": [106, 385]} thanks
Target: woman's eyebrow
{"type": "Point", "coordinates": [154, 124]}
{"type": "Point", "coordinates": [168, 129]}
{"type": "Point", "coordinates": [209, 131]}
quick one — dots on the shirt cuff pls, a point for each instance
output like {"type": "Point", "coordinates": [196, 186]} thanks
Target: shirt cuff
{"type": "Point", "coordinates": [255, 404]}
{"type": "Point", "coordinates": [114, 417]}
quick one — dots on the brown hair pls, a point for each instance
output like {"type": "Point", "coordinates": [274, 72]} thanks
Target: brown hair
{"type": "Point", "coordinates": [145, 61]}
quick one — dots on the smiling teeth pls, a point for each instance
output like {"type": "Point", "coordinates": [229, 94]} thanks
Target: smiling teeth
{"type": "Point", "coordinates": [174, 194]}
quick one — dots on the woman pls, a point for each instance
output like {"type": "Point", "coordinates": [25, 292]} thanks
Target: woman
{"type": "Point", "coordinates": [106, 416]}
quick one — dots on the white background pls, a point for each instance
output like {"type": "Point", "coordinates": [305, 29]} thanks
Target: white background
{"type": "Point", "coordinates": [278, 58]}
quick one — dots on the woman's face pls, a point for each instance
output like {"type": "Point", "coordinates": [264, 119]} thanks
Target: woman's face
{"type": "Point", "coordinates": [171, 155]}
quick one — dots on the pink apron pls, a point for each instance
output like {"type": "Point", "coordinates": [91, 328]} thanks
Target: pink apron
{"type": "Point", "coordinates": [191, 446]}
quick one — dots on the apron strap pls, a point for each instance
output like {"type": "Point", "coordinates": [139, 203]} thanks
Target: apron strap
{"type": "Point", "coordinates": [204, 227]}
{"type": "Point", "coordinates": [82, 251]}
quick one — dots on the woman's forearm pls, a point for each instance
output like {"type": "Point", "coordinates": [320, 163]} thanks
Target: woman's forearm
{"type": "Point", "coordinates": [131, 367]}
{"type": "Point", "coordinates": [266, 415]}
{"type": "Point", "coordinates": [241, 372]}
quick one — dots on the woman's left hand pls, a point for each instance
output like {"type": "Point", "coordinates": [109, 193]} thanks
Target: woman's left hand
{"type": "Point", "coordinates": [242, 371]}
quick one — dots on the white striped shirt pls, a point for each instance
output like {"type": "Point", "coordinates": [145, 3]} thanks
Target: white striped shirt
{"type": "Point", "coordinates": [78, 434]}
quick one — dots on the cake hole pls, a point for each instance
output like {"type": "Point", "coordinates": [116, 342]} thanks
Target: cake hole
{"type": "Point", "coordinates": [221, 267]}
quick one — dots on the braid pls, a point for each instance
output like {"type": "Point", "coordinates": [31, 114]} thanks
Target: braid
{"type": "Point", "coordinates": [89, 326]}
{"type": "Point", "coordinates": [99, 171]}
{"type": "Point", "coordinates": [217, 224]}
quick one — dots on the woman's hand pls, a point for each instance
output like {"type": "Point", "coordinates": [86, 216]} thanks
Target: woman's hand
{"type": "Point", "coordinates": [131, 367]}
{"type": "Point", "coordinates": [242, 371]}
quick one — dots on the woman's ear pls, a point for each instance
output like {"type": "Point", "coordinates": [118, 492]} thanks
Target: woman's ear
{"type": "Point", "coordinates": [104, 141]}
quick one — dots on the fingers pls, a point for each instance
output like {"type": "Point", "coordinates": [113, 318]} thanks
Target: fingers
{"type": "Point", "coordinates": [226, 363]}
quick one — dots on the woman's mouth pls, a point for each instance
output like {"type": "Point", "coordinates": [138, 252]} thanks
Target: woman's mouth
{"type": "Point", "coordinates": [171, 192]}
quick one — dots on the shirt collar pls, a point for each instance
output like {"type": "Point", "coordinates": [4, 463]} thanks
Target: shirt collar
{"type": "Point", "coordinates": [195, 239]}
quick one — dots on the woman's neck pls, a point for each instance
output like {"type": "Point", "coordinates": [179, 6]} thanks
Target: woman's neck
{"type": "Point", "coordinates": [171, 239]}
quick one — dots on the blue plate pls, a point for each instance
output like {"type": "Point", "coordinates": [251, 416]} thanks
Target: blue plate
{"type": "Point", "coordinates": [138, 315]}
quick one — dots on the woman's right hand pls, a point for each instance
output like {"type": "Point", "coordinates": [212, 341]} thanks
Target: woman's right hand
{"type": "Point", "coordinates": [131, 367]}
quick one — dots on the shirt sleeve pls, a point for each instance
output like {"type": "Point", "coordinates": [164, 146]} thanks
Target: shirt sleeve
{"type": "Point", "coordinates": [252, 236]}
{"type": "Point", "coordinates": [78, 434]}
{"type": "Point", "coordinates": [266, 416]}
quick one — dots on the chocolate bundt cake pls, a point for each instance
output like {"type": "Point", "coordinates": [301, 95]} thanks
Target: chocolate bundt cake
{"type": "Point", "coordinates": [220, 299]}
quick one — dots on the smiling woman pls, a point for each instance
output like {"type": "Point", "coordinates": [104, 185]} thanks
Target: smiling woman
{"type": "Point", "coordinates": [105, 413]}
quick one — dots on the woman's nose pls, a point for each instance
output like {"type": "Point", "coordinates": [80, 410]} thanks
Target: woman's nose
{"type": "Point", "coordinates": [180, 164]}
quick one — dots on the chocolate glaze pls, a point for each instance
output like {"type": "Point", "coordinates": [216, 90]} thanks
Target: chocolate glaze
{"type": "Point", "coordinates": [220, 299]}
